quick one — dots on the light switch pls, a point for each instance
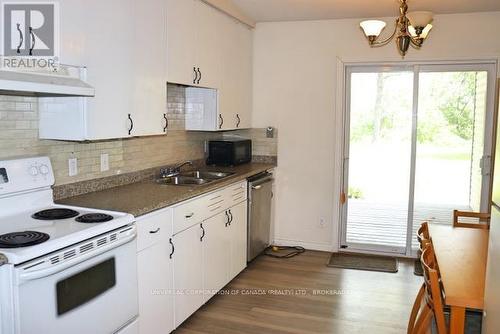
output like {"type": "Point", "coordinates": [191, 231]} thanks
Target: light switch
{"type": "Point", "coordinates": [73, 166]}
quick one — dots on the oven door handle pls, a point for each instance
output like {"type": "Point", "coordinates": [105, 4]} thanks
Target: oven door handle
{"type": "Point", "coordinates": [36, 274]}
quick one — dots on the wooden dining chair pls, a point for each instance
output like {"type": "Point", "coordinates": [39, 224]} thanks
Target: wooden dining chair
{"type": "Point", "coordinates": [433, 292]}
{"type": "Point", "coordinates": [483, 219]}
{"type": "Point", "coordinates": [422, 237]}
{"type": "Point", "coordinates": [421, 314]}
{"type": "Point", "coordinates": [423, 233]}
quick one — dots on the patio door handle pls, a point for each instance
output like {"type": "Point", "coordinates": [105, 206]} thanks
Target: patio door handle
{"type": "Point", "coordinates": [342, 198]}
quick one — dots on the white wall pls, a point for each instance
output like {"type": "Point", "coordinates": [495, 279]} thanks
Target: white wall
{"type": "Point", "coordinates": [295, 88]}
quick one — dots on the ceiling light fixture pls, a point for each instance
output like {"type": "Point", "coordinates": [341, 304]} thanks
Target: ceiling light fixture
{"type": "Point", "coordinates": [411, 29]}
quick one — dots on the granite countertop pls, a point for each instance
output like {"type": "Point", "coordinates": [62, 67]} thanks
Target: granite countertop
{"type": "Point", "coordinates": [146, 196]}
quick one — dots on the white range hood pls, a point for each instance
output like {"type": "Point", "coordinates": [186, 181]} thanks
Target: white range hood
{"type": "Point", "coordinates": [41, 84]}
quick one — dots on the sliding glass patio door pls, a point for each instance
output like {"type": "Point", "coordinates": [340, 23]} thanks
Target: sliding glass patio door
{"type": "Point", "coordinates": [417, 146]}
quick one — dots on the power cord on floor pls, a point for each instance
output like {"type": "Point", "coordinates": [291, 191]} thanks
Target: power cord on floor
{"type": "Point", "coordinates": [274, 251]}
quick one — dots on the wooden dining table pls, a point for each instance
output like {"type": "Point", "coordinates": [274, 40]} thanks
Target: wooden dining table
{"type": "Point", "coordinates": [461, 254]}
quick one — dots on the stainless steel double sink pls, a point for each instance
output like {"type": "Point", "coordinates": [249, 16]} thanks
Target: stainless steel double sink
{"type": "Point", "coordinates": [193, 178]}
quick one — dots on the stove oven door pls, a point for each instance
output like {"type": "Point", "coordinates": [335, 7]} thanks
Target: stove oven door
{"type": "Point", "coordinates": [96, 295]}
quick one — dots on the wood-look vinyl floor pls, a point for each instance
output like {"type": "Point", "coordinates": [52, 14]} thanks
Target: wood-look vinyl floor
{"type": "Point", "coordinates": [329, 300]}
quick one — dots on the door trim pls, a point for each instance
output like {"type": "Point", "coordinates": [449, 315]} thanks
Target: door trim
{"type": "Point", "coordinates": [413, 160]}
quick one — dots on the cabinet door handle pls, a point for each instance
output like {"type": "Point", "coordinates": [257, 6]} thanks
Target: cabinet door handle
{"type": "Point", "coordinates": [203, 232]}
{"type": "Point", "coordinates": [131, 124]}
{"type": "Point", "coordinates": [21, 39]}
{"type": "Point", "coordinates": [166, 123]}
{"type": "Point", "coordinates": [155, 231]}
{"type": "Point", "coordinates": [199, 77]}
{"type": "Point", "coordinates": [32, 41]}
{"type": "Point", "coordinates": [221, 121]}
{"type": "Point", "coordinates": [173, 248]}
{"type": "Point", "coordinates": [189, 215]}
{"type": "Point", "coordinates": [195, 75]}
{"type": "Point", "coordinates": [227, 218]}
{"type": "Point", "coordinates": [238, 120]}
{"type": "Point", "coordinates": [231, 217]}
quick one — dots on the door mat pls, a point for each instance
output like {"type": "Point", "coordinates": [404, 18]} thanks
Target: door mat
{"type": "Point", "coordinates": [364, 262]}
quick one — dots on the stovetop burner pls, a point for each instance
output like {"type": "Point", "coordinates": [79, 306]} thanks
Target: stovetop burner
{"type": "Point", "coordinates": [94, 218]}
{"type": "Point", "coordinates": [55, 214]}
{"type": "Point", "coordinates": [22, 239]}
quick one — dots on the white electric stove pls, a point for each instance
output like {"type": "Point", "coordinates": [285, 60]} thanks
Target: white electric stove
{"type": "Point", "coordinates": [74, 268]}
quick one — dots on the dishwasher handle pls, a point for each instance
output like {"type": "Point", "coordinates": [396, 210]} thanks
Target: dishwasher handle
{"type": "Point", "coordinates": [258, 184]}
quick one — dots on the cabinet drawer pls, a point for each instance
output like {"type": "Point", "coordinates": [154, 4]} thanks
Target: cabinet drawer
{"type": "Point", "coordinates": [235, 193]}
{"type": "Point", "coordinates": [216, 203]}
{"type": "Point", "coordinates": [190, 213]}
{"type": "Point", "coordinates": [199, 209]}
{"type": "Point", "coordinates": [153, 228]}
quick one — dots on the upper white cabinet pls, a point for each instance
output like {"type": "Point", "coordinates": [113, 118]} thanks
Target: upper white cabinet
{"type": "Point", "coordinates": [150, 77]}
{"type": "Point", "coordinates": [192, 43]}
{"type": "Point", "coordinates": [235, 94]}
{"type": "Point", "coordinates": [207, 45]}
{"type": "Point", "coordinates": [209, 49]}
{"type": "Point", "coordinates": [181, 41]}
{"type": "Point", "coordinates": [123, 45]}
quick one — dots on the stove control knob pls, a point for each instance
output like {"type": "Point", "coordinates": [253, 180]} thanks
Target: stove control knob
{"type": "Point", "coordinates": [44, 169]}
{"type": "Point", "coordinates": [33, 171]}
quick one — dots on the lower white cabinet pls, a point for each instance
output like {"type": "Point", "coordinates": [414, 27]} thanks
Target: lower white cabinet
{"type": "Point", "coordinates": [155, 273]}
{"type": "Point", "coordinates": [207, 256]}
{"type": "Point", "coordinates": [224, 248]}
{"type": "Point", "coordinates": [216, 255]}
{"type": "Point", "coordinates": [181, 267]}
{"type": "Point", "coordinates": [238, 238]}
{"type": "Point", "coordinates": [188, 279]}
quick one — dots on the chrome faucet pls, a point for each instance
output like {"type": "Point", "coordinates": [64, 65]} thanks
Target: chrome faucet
{"type": "Point", "coordinates": [174, 171]}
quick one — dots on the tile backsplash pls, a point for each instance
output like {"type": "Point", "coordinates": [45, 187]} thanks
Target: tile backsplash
{"type": "Point", "coordinates": [19, 137]}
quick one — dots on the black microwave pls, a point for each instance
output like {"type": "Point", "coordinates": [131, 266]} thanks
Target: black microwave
{"type": "Point", "coordinates": [229, 152]}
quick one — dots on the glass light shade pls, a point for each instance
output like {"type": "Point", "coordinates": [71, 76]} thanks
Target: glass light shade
{"type": "Point", "coordinates": [412, 31]}
{"type": "Point", "coordinates": [423, 35]}
{"type": "Point", "coordinates": [420, 19]}
{"type": "Point", "coordinates": [426, 31]}
{"type": "Point", "coordinates": [372, 27]}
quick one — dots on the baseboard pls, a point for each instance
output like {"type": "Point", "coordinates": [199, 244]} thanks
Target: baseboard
{"type": "Point", "coordinates": [307, 245]}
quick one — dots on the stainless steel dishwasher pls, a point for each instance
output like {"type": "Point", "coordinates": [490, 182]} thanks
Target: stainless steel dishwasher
{"type": "Point", "coordinates": [259, 213]}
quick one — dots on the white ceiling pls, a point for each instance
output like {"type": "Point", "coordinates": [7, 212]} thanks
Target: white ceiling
{"type": "Point", "coordinates": [293, 10]}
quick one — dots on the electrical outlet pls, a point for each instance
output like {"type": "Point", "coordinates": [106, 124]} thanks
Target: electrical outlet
{"type": "Point", "coordinates": [322, 222]}
{"type": "Point", "coordinates": [104, 162]}
{"type": "Point", "coordinates": [73, 166]}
